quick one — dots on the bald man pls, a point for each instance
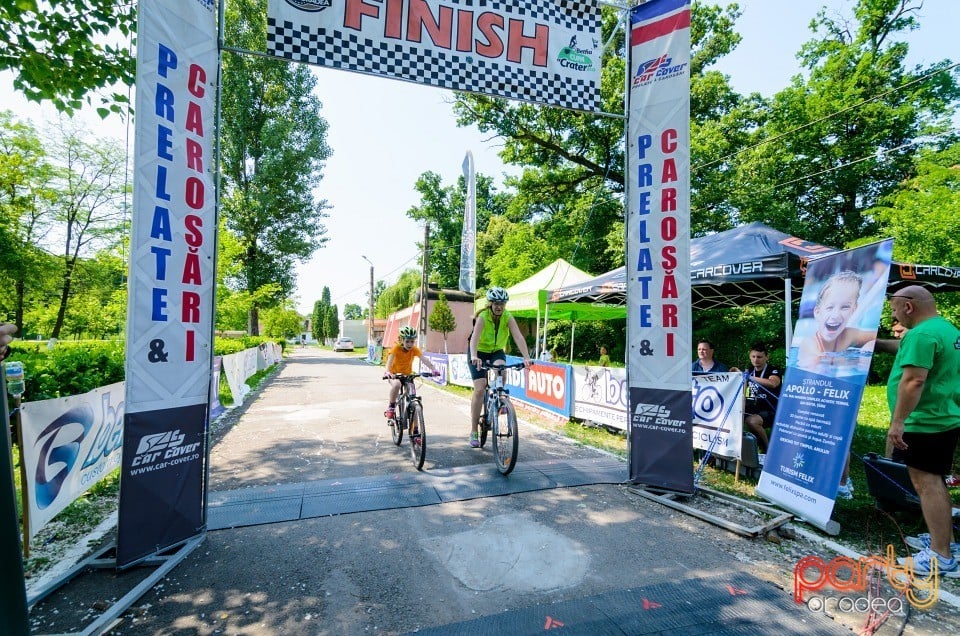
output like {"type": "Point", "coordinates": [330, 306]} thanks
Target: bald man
{"type": "Point", "coordinates": [924, 397]}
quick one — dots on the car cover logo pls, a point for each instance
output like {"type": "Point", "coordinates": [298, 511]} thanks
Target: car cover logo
{"type": "Point", "coordinates": [311, 6]}
{"type": "Point", "coordinates": [658, 68]}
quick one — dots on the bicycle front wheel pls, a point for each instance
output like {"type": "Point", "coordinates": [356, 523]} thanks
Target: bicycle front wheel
{"type": "Point", "coordinates": [485, 419]}
{"type": "Point", "coordinates": [396, 428]}
{"type": "Point", "coordinates": [417, 432]}
{"type": "Point", "coordinates": [506, 441]}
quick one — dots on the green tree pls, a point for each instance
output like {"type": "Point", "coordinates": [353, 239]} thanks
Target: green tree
{"type": "Point", "coordinates": [319, 317]}
{"type": "Point", "coordinates": [399, 295]}
{"type": "Point", "coordinates": [283, 321]}
{"type": "Point", "coordinates": [274, 147]}
{"type": "Point", "coordinates": [922, 216]}
{"type": "Point", "coordinates": [845, 134]}
{"type": "Point", "coordinates": [352, 312]}
{"type": "Point", "coordinates": [60, 51]}
{"type": "Point", "coordinates": [442, 319]}
{"type": "Point", "coordinates": [26, 192]}
{"type": "Point", "coordinates": [88, 203]}
{"type": "Point", "coordinates": [332, 322]}
{"type": "Point", "coordinates": [573, 176]}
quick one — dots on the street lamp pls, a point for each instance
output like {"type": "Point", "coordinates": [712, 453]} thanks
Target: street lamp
{"type": "Point", "coordinates": [370, 315]}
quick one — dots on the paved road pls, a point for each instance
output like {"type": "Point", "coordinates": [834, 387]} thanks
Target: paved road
{"type": "Point", "coordinates": [590, 559]}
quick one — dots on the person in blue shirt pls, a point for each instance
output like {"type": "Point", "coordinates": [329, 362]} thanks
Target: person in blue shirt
{"type": "Point", "coordinates": [705, 362]}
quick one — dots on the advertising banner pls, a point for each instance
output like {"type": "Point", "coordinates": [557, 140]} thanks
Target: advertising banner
{"type": "Point", "coordinates": [600, 395]}
{"type": "Point", "coordinates": [169, 349]}
{"type": "Point", "coordinates": [718, 413]}
{"type": "Point", "coordinates": [69, 444]}
{"type": "Point", "coordinates": [658, 245]}
{"type": "Point", "coordinates": [458, 372]}
{"type": "Point", "coordinates": [13, 590]}
{"type": "Point", "coordinates": [468, 235]}
{"type": "Point", "coordinates": [216, 408]}
{"type": "Point", "coordinates": [545, 385]}
{"type": "Point", "coordinates": [439, 361]}
{"type": "Point", "coordinates": [532, 50]}
{"type": "Point", "coordinates": [826, 371]}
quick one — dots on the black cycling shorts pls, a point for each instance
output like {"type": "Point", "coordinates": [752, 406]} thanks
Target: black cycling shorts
{"type": "Point", "coordinates": [486, 358]}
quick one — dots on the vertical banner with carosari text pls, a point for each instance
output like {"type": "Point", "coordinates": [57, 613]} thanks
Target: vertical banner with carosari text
{"type": "Point", "coordinates": [468, 235]}
{"type": "Point", "coordinates": [170, 310]}
{"type": "Point", "coordinates": [658, 245]}
{"type": "Point", "coordinates": [830, 355]}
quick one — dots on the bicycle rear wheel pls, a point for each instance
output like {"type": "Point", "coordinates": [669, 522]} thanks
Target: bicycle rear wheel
{"type": "Point", "coordinates": [396, 427]}
{"type": "Point", "coordinates": [418, 441]}
{"type": "Point", "coordinates": [506, 441]}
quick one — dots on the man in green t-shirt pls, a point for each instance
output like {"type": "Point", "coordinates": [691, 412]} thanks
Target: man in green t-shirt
{"type": "Point", "coordinates": [924, 397]}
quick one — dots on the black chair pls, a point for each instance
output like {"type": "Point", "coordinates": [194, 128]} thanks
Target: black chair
{"type": "Point", "coordinates": [889, 484]}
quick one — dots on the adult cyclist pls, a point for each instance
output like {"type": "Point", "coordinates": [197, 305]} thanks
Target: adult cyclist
{"type": "Point", "coordinates": [492, 326]}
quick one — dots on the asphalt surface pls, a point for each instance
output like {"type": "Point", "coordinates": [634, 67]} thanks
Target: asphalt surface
{"type": "Point", "coordinates": [525, 563]}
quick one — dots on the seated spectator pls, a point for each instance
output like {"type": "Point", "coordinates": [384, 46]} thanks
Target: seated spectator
{"type": "Point", "coordinates": [705, 362]}
{"type": "Point", "coordinates": [763, 393]}
{"type": "Point", "coordinates": [6, 337]}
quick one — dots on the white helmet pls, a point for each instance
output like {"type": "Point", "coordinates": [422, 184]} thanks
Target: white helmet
{"type": "Point", "coordinates": [497, 295]}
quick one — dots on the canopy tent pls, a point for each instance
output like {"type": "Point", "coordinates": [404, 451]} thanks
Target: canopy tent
{"type": "Point", "coordinates": [528, 298]}
{"type": "Point", "coordinates": [749, 265]}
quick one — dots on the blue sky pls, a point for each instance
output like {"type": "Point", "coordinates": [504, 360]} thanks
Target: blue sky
{"type": "Point", "coordinates": [386, 133]}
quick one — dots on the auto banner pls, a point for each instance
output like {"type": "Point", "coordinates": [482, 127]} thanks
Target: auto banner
{"type": "Point", "coordinates": [658, 245]}
{"type": "Point", "coordinates": [545, 51]}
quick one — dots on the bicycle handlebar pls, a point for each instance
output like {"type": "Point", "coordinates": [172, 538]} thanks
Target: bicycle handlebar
{"type": "Point", "coordinates": [409, 376]}
{"type": "Point", "coordinates": [515, 365]}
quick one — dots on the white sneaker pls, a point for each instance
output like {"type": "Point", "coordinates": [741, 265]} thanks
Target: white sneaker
{"type": "Point", "coordinates": [922, 542]}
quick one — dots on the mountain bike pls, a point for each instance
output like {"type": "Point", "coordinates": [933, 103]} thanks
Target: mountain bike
{"type": "Point", "coordinates": [499, 418]}
{"type": "Point", "coordinates": [409, 418]}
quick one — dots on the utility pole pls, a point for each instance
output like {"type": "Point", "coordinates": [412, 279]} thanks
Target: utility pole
{"type": "Point", "coordinates": [423, 283]}
{"type": "Point", "coordinates": [370, 314]}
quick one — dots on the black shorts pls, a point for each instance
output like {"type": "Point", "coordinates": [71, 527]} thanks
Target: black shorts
{"type": "Point", "coordinates": [762, 410]}
{"type": "Point", "coordinates": [486, 358]}
{"type": "Point", "coordinates": [929, 452]}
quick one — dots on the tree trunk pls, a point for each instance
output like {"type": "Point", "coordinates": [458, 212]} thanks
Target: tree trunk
{"type": "Point", "coordinates": [64, 296]}
{"type": "Point", "coordinates": [253, 323]}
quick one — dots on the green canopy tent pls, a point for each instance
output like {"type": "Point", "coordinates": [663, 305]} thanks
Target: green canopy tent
{"type": "Point", "coordinates": [528, 298]}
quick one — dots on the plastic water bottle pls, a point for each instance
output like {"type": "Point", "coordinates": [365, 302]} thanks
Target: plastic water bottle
{"type": "Point", "coordinates": [13, 371]}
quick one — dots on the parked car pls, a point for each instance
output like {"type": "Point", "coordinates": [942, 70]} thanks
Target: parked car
{"type": "Point", "coordinates": [343, 344]}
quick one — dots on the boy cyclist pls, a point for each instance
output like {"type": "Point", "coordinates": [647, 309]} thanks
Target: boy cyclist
{"type": "Point", "coordinates": [400, 362]}
{"type": "Point", "coordinates": [493, 326]}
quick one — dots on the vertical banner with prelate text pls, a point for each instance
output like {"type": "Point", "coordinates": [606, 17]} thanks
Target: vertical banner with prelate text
{"type": "Point", "coordinates": [658, 245]}
{"type": "Point", "coordinates": [170, 310]}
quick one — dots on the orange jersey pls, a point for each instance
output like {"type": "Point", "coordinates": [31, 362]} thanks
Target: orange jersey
{"type": "Point", "coordinates": [403, 360]}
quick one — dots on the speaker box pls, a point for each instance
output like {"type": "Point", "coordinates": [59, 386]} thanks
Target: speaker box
{"type": "Point", "coordinates": [889, 483]}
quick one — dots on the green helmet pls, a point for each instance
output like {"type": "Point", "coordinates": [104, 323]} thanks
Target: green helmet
{"type": "Point", "coordinates": [408, 333]}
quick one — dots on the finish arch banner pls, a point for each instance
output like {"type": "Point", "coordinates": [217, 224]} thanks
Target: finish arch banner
{"type": "Point", "coordinates": [171, 283]}
{"type": "Point", "coordinates": [658, 245]}
{"type": "Point", "coordinates": [545, 51]}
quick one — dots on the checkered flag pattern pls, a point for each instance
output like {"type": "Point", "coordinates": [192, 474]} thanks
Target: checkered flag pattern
{"type": "Point", "coordinates": [350, 51]}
